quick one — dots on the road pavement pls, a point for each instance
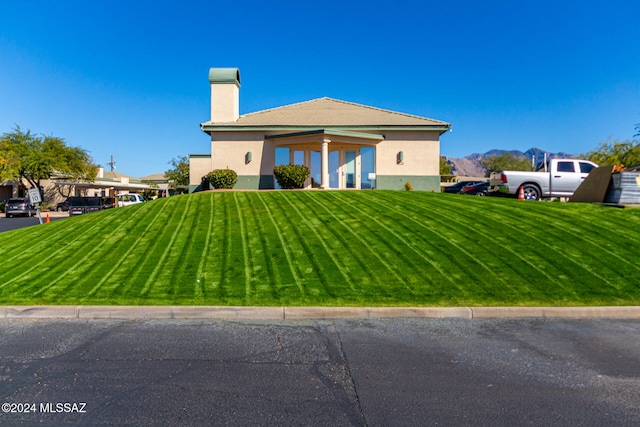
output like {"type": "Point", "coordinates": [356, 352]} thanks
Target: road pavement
{"type": "Point", "coordinates": [7, 224]}
{"type": "Point", "coordinates": [375, 372]}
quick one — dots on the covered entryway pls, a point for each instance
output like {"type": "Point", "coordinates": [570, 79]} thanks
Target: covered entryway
{"type": "Point", "coordinates": [336, 159]}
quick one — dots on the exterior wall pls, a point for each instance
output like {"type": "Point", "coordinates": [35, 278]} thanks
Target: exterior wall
{"type": "Point", "coordinates": [199, 166]}
{"type": "Point", "coordinates": [420, 163]}
{"type": "Point", "coordinates": [397, 182]}
{"type": "Point", "coordinates": [229, 150]}
{"type": "Point", "coordinates": [421, 154]}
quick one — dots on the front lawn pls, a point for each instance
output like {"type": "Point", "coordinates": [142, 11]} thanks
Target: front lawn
{"type": "Point", "coordinates": [333, 248]}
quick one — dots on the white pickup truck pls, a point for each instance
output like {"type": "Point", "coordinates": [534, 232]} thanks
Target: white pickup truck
{"type": "Point", "coordinates": [556, 178]}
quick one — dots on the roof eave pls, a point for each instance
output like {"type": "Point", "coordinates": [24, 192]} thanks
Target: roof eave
{"type": "Point", "coordinates": [210, 127]}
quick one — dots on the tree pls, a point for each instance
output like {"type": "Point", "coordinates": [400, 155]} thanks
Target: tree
{"type": "Point", "coordinates": [505, 161]}
{"type": "Point", "coordinates": [28, 158]}
{"type": "Point", "coordinates": [610, 153]}
{"type": "Point", "coordinates": [445, 166]}
{"type": "Point", "coordinates": [178, 176]}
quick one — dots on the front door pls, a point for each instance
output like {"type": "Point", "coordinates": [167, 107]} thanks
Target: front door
{"type": "Point", "coordinates": [350, 169]}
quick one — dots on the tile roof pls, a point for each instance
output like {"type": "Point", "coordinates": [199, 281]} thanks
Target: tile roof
{"type": "Point", "coordinates": [153, 177]}
{"type": "Point", "coordinates": [329, 112]}
{"type": "Point", "coordinates": [115, 175]}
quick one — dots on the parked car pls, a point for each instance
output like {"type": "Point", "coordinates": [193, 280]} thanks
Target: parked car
{"type": "Point", "coordinates": [554, 178]}
{"type": "Point", "coordinates": [458, 186]}
{"type": "Point", "coordinates": [129, 199]}
{"type": "Point", "coordinates": [83, 205]}
{"type": "Point", "coordinates": [479, 189]}
{"type": "Point", "coordinates": [21, 207]}
{"type": "Point", "coordinates": [63, 206]}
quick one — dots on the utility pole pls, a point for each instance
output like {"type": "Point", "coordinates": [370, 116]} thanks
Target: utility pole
{"type": "Point", "coordinates": [112, 164]}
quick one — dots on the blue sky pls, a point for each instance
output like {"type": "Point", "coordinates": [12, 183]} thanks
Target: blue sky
{"type": "Point", "coordinates": [129, 78]}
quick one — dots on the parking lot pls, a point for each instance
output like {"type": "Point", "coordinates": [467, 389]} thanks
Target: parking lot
{"type": "Point", "coordinates": [360, 372]}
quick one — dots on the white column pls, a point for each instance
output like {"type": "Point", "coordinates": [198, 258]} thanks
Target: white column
{"type": "Point", "coordinates": [324, 167]}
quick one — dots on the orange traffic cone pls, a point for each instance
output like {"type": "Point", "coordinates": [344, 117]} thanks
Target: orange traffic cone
{"type": "Point", "coordinates": [47, 220]}
{"type": "Point", "coordinates": [521, 193]}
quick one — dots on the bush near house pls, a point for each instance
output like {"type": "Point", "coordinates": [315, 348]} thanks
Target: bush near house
{"type": "Point", "coordinates": [220, 178]}
{"type": "Point", "coordinates": [291, 176]}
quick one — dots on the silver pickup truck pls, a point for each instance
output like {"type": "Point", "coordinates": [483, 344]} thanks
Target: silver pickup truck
{"type": "Point", "coordinates": [556, 178]}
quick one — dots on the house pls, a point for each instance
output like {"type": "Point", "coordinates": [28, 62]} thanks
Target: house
{"type": "Point", "coordinates": [344, 144]}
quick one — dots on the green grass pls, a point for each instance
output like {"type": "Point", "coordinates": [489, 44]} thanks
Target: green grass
{"type": "Point", "coordinates": [333, 248]}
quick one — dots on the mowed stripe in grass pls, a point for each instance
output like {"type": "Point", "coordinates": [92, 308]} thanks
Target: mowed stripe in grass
{"type": "Point", "coordinates": [334, 248]}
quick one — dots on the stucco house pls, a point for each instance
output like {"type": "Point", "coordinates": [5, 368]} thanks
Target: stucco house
{"type": "Point", "coordinates": [345, 145]}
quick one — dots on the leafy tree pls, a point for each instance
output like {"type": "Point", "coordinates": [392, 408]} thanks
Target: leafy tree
{"type": "Point", "coordinates": [610, 153]}
{"type": "Point", "coordinates": [149, 194]}
{"type": "Point", "coordinates": [178, 176]}
{"type": "Point", "coordinates": [505, 161]}
{"type": "Point", "coordinates": [28, 158]}
{"type": "Point", "coordinates": [445, 166]}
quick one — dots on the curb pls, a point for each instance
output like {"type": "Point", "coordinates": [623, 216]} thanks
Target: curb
{"type": "Point", "coordinates": [299, 313]}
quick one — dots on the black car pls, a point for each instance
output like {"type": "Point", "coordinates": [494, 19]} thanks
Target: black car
{"type": "Point", "coordinates": [458, 186]}
{"type": "Point", "coordinates": [63, 206]}
{"type": "Point", "coordinates": [22, 207]}
{"type": "Point", "coordinates": [479, 189]}
{"type": "Point", "coordinates": [83, 205]}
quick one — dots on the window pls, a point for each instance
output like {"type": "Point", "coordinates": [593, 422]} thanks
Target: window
{"type": "Point", "coordinates": [368, 167]}
{"type": "Point", "coordinates": [282, 156]}
{"type": "Point", "coordinates": [566, 167]}
{"type": "Point", "coordinates": [586, 167]}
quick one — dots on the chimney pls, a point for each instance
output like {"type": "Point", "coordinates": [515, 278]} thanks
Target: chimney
{"type": "Point", "coordinates": [225, 94]}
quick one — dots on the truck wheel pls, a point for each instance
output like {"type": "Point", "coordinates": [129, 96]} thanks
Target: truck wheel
{"type": "Point", "coordinates": [531, 192]}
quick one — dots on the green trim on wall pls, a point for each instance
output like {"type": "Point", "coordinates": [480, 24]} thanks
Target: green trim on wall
{"type": "Point", "coordinates": [254, 182]}
{"type": "Point", "coordinates": [245, 182]}
{"type": "Point", "coordinates": [419, 182]}
{"type": "Point", "coordinates": [383, 182]}
{"type": "Point", "coordinates": [194, 188]}
{"type": "Point", "coordinates": [267, 182]}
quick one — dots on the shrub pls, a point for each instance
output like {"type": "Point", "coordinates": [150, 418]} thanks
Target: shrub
{"type": "Point", "coordinates": [220, 178]}
{"type": "Point", "coordinates": [291, 176]}
{"type": "Point", "coordinates": [408, 186]}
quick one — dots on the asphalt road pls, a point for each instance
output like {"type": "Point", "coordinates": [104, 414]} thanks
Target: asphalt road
{"type": "Point", "coordinates": [14, 223]}
{"type": "Point", "coordinates": [342, 372]}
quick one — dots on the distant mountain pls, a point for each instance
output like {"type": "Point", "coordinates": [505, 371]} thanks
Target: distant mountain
{"type": "Point", "coordinates": [471, 164]}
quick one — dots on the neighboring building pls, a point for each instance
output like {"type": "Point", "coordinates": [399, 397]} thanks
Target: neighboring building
{"type": "Point", "coordinates": [345, 145]}
{"type": "Point", "coordinates": [106, 184]}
